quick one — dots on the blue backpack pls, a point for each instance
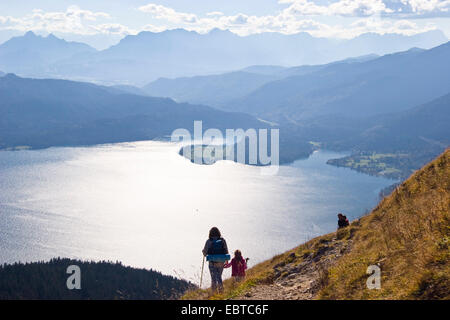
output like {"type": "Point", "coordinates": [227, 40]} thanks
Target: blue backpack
{"type": "Point", "coordinates": [217, 247]}
{"type": "Point", "coordinates": [217, 252]}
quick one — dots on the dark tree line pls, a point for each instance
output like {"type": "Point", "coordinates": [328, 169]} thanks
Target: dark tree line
{"type": "Point", "coordinates": [99, 280]}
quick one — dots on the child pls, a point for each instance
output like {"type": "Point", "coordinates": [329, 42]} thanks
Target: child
{"type": "Point", "coordinates": [238, 266]}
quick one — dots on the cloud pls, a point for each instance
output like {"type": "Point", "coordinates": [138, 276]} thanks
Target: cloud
{"type": "Point", "coordinates": [73, 20]}
{"type": "Point", "coordinates": [405, 27]}
{"type": "Point", "coordinates": [346, 8]}
{"type": "Point", "coordinates": [169, 14]}
{"type": "Point", "coordinates": [365, 8]}
{"type": "Point", "coordinates": [238, 19]}
{"type": "Point", "coordinates": [153, 28]}
{"type": "Point", "coordinates": [77, 13]}
{"type": "Point", "coordinates": [215, 14]}
{"type": "Point", "coordinates": [297, 17]}
{"type": "Point", "coordinates": [420, 8]}
{"type": "Point", "coordinates": [113, 28]}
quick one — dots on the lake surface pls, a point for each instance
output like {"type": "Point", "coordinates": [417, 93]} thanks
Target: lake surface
{"type": "Point", "coordinates": [143, 204]}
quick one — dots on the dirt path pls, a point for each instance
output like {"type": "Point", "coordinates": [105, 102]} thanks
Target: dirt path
{"type": "Point", "coordinates": [300, 281]}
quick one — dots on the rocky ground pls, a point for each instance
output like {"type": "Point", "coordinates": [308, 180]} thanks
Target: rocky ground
{"type": "Point", "coordinates": [300, 281]}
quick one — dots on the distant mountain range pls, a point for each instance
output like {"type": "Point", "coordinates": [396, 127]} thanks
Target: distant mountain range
{"type": "Point", "coordinates": [357, 88]}
{"type": "Point", "coordinates": [412, 129]}
{"type": "Point", "coordinates": [396, 103]}
{"type": "Point", "coordinates": [220, 90]}
{"type": "Point", "coordinates": [34, 55]}
{"type": "Point", "coordinates": [213, 90]}
{"type": "Point", "coordinates": [394, 145]}
{"type": "Point", "coordinates": [42, 113]}
{"type": "Point", "coordinates": [139, 59]}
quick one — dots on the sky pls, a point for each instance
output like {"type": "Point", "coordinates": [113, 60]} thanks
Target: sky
{"type": "Point", "coordinates": [104, 22]}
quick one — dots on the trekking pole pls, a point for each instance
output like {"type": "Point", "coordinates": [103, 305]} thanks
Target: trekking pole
{"type": "Point", "coordinates": [201, 276]}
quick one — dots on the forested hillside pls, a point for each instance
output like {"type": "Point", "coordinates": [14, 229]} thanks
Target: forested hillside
{"type": "Point", "coordinates": [99, 280]}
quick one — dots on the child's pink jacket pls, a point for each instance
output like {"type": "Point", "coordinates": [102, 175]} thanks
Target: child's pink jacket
{"type": "Point", "coordinates": [238, 267]}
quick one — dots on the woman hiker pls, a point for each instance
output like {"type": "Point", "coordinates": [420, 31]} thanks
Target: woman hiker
{"type": "Point", "coordinates": [216, 252]}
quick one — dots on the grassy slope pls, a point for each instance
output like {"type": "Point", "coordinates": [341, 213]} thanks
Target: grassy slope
{"type": "Point", "coordinates": [407, 234]}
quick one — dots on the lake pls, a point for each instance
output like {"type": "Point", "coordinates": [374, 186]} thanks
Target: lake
{"type": "Point", "coordinates": [143, 204]}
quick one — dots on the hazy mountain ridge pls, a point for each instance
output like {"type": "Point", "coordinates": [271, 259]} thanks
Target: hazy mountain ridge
{"type": "Point", "coordinates": [222, 89]}
{"type": "Point", "coordinates": [139, 59]}
{"type": "Point", "coordinates": [131, 90]}
{"type": "Point", "coordinates": [313, 109]}
{"type": "Point", "coordinates": [393, 145]}
{"type": "Point", "coordinates": [387, 84]}
{"type": "Point", "coordinates": [213, 90]}
{"type": "Point", "coordinates": [412, 128]}
{"type": "Point", "coordinates": [355, 87]}
{"type": "Point", "coordinates": [42, 113]}
{"type": "Point", "coordinates": [264, 69]}
{"type": "Point", "coordinates": [32, 54]}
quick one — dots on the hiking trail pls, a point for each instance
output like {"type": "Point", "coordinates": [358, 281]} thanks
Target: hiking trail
{"type": "Point", "coordinates": [300, 281]}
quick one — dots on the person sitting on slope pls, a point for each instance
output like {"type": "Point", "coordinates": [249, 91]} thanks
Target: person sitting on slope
{"type": "Point", "coordinates": [342, 221]}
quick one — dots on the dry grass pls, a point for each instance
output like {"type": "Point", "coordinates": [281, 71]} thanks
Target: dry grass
{"type": "Point", "coordinates": [261, 273]}
{"type": "Point", "coordinates": [407, 235]}
{"type": "Point", "coordinates": [258, 274]}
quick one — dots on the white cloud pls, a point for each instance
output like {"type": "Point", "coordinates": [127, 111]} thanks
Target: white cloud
{"type": "Point", "coordinates": [380, 26]}
{"type": "Point", "coordinates": [214, 14]}
{"type": "Point", "coordinates": [238, 19]}
{"type": "Point", "coordinates": [346, 8]}
{"type": "Point", "coordinates": [153, 28]}
{"type": "Point", "coordinates": [77, 13]}
{"type": "Point", "coordinates": [73, 20]}
{"type": "Point", "coordinates": [296, 18]}
{"type": "Point", "coordinates": [169, 14]}
{"type": "Point", "coordinates": [422, 8]}
{"type": "Point", "coordinates": [366, 8]}
{"type": "Point", "coordinates": [113, 28]}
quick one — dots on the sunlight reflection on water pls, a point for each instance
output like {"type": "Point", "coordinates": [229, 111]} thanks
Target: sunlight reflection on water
{"type": "Point", "coordinates": [143, 204]}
